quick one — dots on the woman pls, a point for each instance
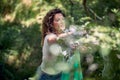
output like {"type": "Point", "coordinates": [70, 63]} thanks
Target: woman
{"type": "Point", "coordinates": [52, 30]}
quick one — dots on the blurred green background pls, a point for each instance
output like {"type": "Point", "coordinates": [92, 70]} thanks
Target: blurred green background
{"type": "Point", "coordinates": [20, 35]}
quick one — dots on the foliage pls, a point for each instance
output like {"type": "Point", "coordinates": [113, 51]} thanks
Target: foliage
{"type": "Point", "coordinates": [105, 41]}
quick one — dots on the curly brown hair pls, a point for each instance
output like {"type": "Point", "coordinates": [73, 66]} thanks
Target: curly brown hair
{"type": "Point", "coordinates": [47, 24]}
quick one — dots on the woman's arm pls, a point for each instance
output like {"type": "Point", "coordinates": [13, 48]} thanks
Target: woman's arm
{"type": "Point", "coordinates": [64, 34]}
{"type": "Point", "coordinates": [53, 38]}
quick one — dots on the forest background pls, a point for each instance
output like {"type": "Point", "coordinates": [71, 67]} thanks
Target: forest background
{"type": "Point", "coordinates": [20, 35]}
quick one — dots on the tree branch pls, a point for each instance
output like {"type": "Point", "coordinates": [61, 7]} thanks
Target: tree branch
{"type": "Point", "coordinates": [90, 10]}
{"type": "Point", "coordinates": [84, 5]}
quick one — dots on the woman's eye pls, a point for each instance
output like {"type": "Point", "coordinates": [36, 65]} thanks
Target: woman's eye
{"type": "Point", "coordinates": [57, 20]}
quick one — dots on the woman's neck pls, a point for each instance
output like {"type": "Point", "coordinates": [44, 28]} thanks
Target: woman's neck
{"type": "Point", "coordinates": [55, 32]}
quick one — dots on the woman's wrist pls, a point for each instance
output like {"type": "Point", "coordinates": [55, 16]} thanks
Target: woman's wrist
{"type": "Point", "coordinates": [62, 35]}
{"type": "Point", "coordinates": [69, 33]}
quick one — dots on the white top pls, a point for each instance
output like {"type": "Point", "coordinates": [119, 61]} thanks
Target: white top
{"type": "Point", "coordinates": [49, 60]}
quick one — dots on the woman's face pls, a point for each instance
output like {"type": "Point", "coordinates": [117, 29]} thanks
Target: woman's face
{"type": "Point", "coordinates": [59, 22]}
